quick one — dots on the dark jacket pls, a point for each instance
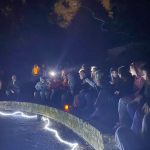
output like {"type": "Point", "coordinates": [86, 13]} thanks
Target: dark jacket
{"type": "Point", "coordinates": [126, 87]}
{"type": "Point", "coordinates": [146, 94]}
{"type": "Point", "coordinates": [15, 87]}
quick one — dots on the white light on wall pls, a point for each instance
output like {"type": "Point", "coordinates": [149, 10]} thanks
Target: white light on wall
{"type": "Point", "coordinates": [18, 113]}
{"type": "Point", "coordinates": [46, 127]}
{"type": "Point", "coordinates": [46, 120]}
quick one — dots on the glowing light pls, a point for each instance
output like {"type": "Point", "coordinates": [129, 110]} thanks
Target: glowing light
{"type": "Point", "coordinates": [35, 70]}
{"type": "Point", "coordinates": [66, 108]}
{"type": "Point", "coordinates": [52, 73]}
{"type": "Point", "coordinates": [73, 145]}
{"type": "Point", "coordinates": [46, 127]}
{"type": "Point", "coordinates": [18, 113]}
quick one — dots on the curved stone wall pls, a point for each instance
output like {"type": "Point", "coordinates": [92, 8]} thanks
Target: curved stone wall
{"type": "Point", "coordinates": [83, 129]}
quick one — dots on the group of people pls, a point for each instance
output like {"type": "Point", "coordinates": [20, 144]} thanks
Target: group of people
{"type": "Point", "coordinates": [90, 91]}
{"type": "Point", "coordinates": [133, 109]}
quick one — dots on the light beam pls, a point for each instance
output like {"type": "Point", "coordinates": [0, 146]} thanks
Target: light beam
{"type": "Point", "coordinates": [46, 127]}
{"type": "Point", "coordinates": [46, 120]}
{"type": "Point", "coordinates": [18, 113]}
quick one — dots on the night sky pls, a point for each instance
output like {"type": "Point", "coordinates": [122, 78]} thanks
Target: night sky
{"type": "Point", "coordinates": [30, 36]}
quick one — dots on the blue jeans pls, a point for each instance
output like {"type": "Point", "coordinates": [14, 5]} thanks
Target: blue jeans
{"type": "Point", "coordinates": [131, 108]}
{"type": "Point", "coordinates": [127, 140]}
{"type": "Point", "coordinates": [137, 122]}
{"type": "Point", "coordinates": [122, 110]}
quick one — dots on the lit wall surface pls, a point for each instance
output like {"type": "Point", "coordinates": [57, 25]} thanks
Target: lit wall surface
{"type": "Point", "coordinates": [91, 135]}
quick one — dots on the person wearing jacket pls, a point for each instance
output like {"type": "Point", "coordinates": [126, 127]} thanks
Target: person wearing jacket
{"type": "Point", "coordinates": [13, 88]}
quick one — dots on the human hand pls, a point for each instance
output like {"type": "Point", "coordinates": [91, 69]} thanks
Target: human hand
{"type": "Point", "coordinates": [138, 99]}
{"type": "Point", "coordinates": [12, 91]}
{"type": "Point", "coordinates": [117, 93]}
{"type": "Point", "coordinates": [145, 108]}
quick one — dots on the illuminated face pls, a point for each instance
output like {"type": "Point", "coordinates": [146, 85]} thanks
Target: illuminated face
{"type": "Point", "coordinates": [132, 71]}
{"type": "Point", "coordinates": [144, 75]}
{"type": "Point", "coordinates": [98, 79]}
{"type": "Point", "coordinates": [63, 73]}
{"type": "Point", "coordinates": [93, 72]}
{"type": "Point", "coordinates": [13, 78]}
{"type": "Point", "coordinates": [82, 75]}
{"type": "Point", "coordinates": [114, 74]}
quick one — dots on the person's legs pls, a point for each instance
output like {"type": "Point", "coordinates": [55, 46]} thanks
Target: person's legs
{"type": "Point", "coordinates": [102, 104]}
{"type": "Point", "coordinates": [7, 92]}
{"type": "Point", "coordinates": [90, 99]}
{"type": "Point", "coordinates": [137, 122]}
{"type": "Point", "coordinates": [79, 101]}
{"type": "Point", "coordinates": [41, 94]}
{"type": "Point", "coordinates": [36, 94]}
{"type": "Point", "coordinates": [122, 111]}
{"type": "Point", "coordinates": [126, 139]}
{"type": "Point", "coordinates": [146, 131]}
{"type": "Point", "coordinates": [66, 98]}
{"type": "Point", "coordinates": [131, 108]}
{"type": "Point", "coordinates": [47, 93]}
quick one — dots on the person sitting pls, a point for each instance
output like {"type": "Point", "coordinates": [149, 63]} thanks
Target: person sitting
{"type": "Point", "coordinates": [74, 83]}
{"type": "Point", "coordinates": [136, 72]}
{"type": "Point", "coordinates": [104, 103]}
{"type": "Point", "coordinates": [13, 88]}
{"type": "Point", "coordinates": [144, 106]}
{"type": "Point", "coordinates": [79, 100]}
{"type": "Point", "coordinates": [86, 68]}
{"type": "Point", "coordinates": [42, 89]}
{"type": "Point", "coordinates": [126, 139]}
{"type": "Point", "coordinates": [125, 92]}
{"type": "Point", "coordinates": [85, 98]}
{"type": "Point", "coordinates": [114, 77]}
{"type": "Point", "coordinates": [66, 96]}
{"type": "Point", "coordinates": [86, 79]}
{"type": "Point", "coordinates": [114, 86]}
{"type": "Point", "coordinates": [103, 98]}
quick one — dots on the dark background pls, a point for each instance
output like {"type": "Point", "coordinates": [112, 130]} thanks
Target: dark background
{"type": "Point", "coordinates": [30, 35]}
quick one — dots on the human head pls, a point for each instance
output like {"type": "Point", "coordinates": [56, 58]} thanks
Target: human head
{"type": "Point", "coordinates": [85, 67]}
{"type": "Point", "coordinates": [14, 78]}
{"type": "Point", "coordinates": [82, 74]}
{"type": "Point", "coordinates": [113, 73]}
{"type": "Point", "coordinates": [93, 71]}
{"type": "Point", "coordinates": [146, 72]}
{"type": "Point", "coordinates": [63, 73]}
{"type": "Point", "coordinates": [123, 72]}
{"type": "Point", "coordinates": [135, 68]}
{"type": "Point", "coordinates": [98, 77]}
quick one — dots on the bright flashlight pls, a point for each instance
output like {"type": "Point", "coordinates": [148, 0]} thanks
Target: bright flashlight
{"type": "Point", "coordinates": [52, 73]}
